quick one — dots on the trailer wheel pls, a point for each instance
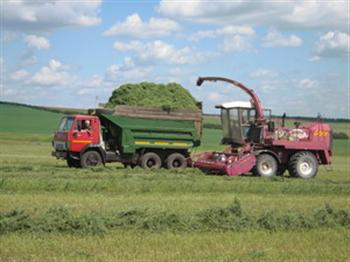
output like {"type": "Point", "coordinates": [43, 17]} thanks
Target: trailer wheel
{"type": "Point", "coordinates": [150, 160]}
{"type": "Point", "coordinates": [73, 162]}
{"type": "Point", "coordinates": [176, 161]}
{"type": "Point", "coordinates": [90, 158]}
{"type": "Point", "coordinates": [266, 166]}
{"type": "Point", "coordinates": [303, 164]}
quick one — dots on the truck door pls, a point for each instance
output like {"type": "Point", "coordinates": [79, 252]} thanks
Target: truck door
{"type": "Point", "coordinates": [85, 133]}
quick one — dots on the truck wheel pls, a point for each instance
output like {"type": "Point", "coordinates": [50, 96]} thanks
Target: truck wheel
{"type": "Point", "coordinates": [73, 162]}
{"type": "Point", "coordinates": [266, 166]}
{"type": "Point", "coordinates": [303, 164]}
{"type": "Point", "coordinates": [150, 160]}
{"type": "Point", "coordinates": [90, 158]}
{"type": "Point", "coordinates": [176, 161]}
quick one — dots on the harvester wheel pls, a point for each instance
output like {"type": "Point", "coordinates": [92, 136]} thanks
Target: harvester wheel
{"type": "Point", "coordinates": [266, 166]}
{"type": "Point", "coordinates": [73, 162]}
{"type": "Point", "coordinates": [90, 158]}
{"type": "Point", "coordinates": [151, 160]}
{"type": "Point", "coordinates": [303, 164]}
{"type": "Point", "coordinates": [176, 161]}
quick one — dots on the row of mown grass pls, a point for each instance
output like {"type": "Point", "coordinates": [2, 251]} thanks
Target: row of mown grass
{"type": "Point", "coordinates": [231, 218]}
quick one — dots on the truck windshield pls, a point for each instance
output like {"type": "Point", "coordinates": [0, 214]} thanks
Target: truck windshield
{"type": "Point", "coordinates": [66, 124]}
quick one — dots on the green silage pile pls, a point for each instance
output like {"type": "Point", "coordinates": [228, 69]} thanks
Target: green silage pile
{"type": "Point", "coordinates": [171, 95]}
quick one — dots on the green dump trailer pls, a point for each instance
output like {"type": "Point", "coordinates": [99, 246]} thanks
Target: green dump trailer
{"type": "Point", "coordinates": [148, 137]}
{"type": "Point", "coordinates": [151, 138]}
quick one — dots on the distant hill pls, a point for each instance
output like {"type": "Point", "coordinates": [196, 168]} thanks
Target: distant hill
{"type": "Point", "coordinates": [28, 119]}
{"type": "Point", "coordinates": [17, 118]}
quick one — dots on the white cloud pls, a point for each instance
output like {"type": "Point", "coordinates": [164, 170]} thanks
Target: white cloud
{"type": "Point", "coordinates": [264, 73]}
{"type": "Point", "coordinates": [236, 38]}
{"type": "Point", "coordinates": [38, 42]}
{"type": "Point", "coordinates": [47, 15]}
{"type": "Point", "coordinates": [135, 27]}
{"type": "Point", "coordinates": [159, 50]}
{"type": "Point", "coordinates": [333, 44]}
{"type": "Point", "coordinates": [127, 71]}
{"type": "Point", "coordinates": [215, 96]}
{"type": "Point", "coordinates": [19, 75]}
{"type": "Point", "coordinates": [315, 58]}
{"type": "Point", "coordinates": [276, 39]}
{"type": "Point", "coordinates": [290, 14]}
{"type": "Point", "coordinates": [54, 74]}
{"type": "Point", "coordinates": [229, 30]}
{"type": "Point", "coordinates": [115, 75]}
{"type": "Point", "coordinates": [308, 83]}
{"type": "Point", "coordinates": [235, 43]}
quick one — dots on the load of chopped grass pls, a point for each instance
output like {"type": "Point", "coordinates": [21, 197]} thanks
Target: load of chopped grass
{"type": "Point", "coordinates": [171, 95]}
{"type": "Point", "coordinates": [231, 218]}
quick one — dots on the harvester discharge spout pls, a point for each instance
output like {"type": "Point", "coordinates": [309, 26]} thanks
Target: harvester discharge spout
{"type": "Point", "coordinates": [257, 104]}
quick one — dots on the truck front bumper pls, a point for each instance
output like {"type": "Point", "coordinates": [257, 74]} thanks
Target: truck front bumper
{"type": "Point", "coordinates": [59, 154]}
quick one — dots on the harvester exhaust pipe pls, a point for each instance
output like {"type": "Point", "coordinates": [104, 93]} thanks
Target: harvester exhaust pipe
{"type": "Point", "coordinates": [283, 119]}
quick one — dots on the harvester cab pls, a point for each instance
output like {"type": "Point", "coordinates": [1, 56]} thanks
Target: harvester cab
{"type": "Point", "coordinates": [236, 119]}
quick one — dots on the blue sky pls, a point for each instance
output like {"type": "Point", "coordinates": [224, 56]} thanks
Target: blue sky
{"type": "Point", "coordinates": [294, 54]}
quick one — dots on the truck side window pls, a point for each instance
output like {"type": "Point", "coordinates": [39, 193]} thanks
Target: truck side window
{"type": "Point", "coordinates": [86, 125]}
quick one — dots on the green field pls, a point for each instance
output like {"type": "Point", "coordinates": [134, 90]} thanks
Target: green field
{"type": "Point", "coordinates": [51, 212]}
{"type": "Point", "coordinates": [336, 126]}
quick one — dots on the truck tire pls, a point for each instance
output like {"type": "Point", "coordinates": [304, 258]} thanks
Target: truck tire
{"type": "Point", "coordinates": [266, 166]}
{"type": "Point", "coordinates": [151, 160]}
{"type": "Point", "coordinates": [90, 159]}
{"type": "Point", "coordinates": [303, 164]}
{"type": "Point", "coordinates": [73, 162]}
{"type": "Point", "coordinates": [176, 161]}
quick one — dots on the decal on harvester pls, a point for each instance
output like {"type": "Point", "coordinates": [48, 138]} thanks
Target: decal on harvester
{"type": "Point", "coordinates": [321, 133]}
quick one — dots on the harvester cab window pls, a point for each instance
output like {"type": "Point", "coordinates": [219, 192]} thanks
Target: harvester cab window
{"type": "Point", "coordinates": [236, 123]}
{"type": "Point", "coordinates": [231, 124]}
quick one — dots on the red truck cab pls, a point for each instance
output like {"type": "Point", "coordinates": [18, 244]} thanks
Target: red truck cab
{"type": "Point", "coordinates": [75, 135]}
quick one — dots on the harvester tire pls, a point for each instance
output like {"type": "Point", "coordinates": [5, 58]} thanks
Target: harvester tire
{"type": "Point", "coordinates": [303, 164]}
{"type": "Point", "coordinates": [151, 160]}
{"type": "Point", "coordinates": [266, 166]}
{"type": "Point", "coordinates": [176, 161]}
{"type": "Point", "coordinates": [73, 162]}
{"type": "Point", "coordinates": [90, 159]}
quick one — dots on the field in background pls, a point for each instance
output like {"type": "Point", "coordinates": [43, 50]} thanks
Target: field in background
{"type": "Point", "coordinates": [340, 126]}
{"type": "Point", "coordinates": [50, 211]}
